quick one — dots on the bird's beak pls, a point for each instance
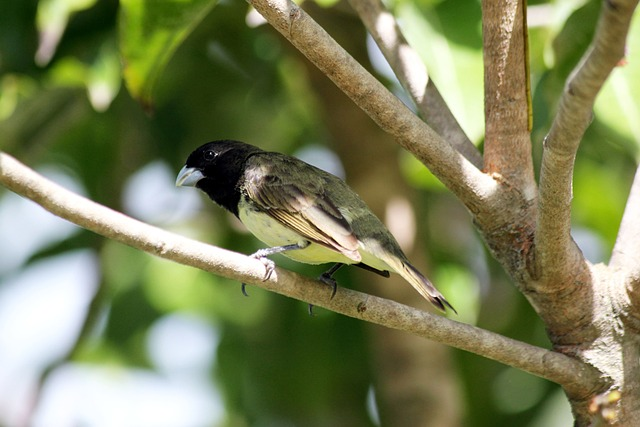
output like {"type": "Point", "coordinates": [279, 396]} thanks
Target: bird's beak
{"type": "Point", "coordinates": [188, 177]}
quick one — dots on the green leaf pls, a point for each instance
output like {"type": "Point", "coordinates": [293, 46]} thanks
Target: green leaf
{"type": "Point", "coordinates": [150, 32]}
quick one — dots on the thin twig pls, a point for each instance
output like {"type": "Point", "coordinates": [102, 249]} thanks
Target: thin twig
{"type": "Point", "coordinates": [471, 186]}
{"type": "Point", "coordinates": [412, 75]}
{"type": "Point", "coordinates": [556, 252]}
{"type": "Point", "coordinates": [573, 375]}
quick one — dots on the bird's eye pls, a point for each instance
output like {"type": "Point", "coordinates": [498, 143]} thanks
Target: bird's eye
{"type": "Point", "coordinates": [209, 155]}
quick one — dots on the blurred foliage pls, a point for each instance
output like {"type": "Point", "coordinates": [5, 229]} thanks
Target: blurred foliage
{"type": "Point", "coordinates": [208, 74]}
{"type": "Point", "coordinates": [150, 32]}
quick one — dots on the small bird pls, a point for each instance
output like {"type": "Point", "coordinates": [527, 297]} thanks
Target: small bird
{"type": "Point", "coordinates": [301, 211]}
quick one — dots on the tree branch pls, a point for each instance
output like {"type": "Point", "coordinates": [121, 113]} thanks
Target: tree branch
{"type": "Point", "coordinates": [625, 252]}
{"type": "Point", "coordinates": [626, 256]}
{"type": "Point", "coordinates": [556, 252]}
{"type": "Point", "coordinates": [507, 147]}
{"type": "Point", "coordinates": [413, 76]}
{"type": "Point", "coordinates": [573, 375]}
{"type": "Point", "coordinates": [471, 186]}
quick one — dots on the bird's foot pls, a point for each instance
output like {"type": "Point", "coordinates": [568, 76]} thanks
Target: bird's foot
{"type": "Point", "coordinates": [328, 280]}
{"type": "Point", "coordinates": [269, 265]}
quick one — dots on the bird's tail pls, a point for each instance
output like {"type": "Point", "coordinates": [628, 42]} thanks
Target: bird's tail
{"type": "Point", "coordinates": [423, 285]}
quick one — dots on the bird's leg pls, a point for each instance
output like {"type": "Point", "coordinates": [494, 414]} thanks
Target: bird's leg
{"type": "Point", "coordinates": [383, 273]}
{"type": "Point", "coordinates": [262, 254]}
{"type": "Point", "coordinates": [327, 276]}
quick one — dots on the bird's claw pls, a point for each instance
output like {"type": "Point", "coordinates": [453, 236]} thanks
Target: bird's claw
{"type": "Point", "coordinates": [327, 279]}
{"type": "Point", "coordinates": [269, 265]}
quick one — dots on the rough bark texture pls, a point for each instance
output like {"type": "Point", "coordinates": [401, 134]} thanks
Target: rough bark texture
{"type": "Point", "coordinates": [507, 150]}
{"type": "Point", "coordinates": [584, 307]}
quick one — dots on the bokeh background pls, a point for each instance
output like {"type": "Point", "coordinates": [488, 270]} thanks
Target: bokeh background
{"type": "Point", "coordinates": [95, 333]}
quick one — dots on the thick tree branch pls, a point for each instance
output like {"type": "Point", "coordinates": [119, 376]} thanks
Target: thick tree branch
{"type": "Point", "coordinates": [626, 256]}
{"type": "Point", "coordinates": [471, 186]}
{"type": "Point", "coordinates": [625, 252]}
{"type": "Point", "coordinates": [507, 147]}
{"type": "Point", "coordinates": [577, 378]}
{"type": "Point", "coordinates": [556, 252]}
{"type": "Point", "coordinates": [413, 76]}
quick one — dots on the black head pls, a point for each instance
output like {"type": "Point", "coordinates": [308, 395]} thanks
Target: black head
{"type": "Point", "coordinates": [217, 168]}
{"type": "Point", "coordinates": [213, 156]}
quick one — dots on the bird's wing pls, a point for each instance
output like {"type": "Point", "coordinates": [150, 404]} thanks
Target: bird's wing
{"type": "Point", "coordinates": [294, 193]}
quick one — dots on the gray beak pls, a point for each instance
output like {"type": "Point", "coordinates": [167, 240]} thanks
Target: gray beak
{"type": "Point", "coordinates": [188, 177]}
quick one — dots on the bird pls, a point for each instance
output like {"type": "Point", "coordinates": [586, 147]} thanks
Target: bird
{"type": "Point", "coordinates": [300, 211]}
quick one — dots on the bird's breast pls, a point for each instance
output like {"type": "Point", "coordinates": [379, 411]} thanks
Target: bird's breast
{"type": "Point", "coordinates": [266, 228]}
